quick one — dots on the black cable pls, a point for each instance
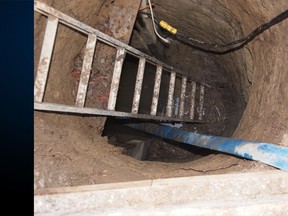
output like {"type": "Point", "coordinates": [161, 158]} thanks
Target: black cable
{"type": "Point", "coordinates": [251, 36]}
{"type": "Point", "coordinates": [233, 45]}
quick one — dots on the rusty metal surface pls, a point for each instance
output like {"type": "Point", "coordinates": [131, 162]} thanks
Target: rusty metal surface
{"type": "Point", "coordinates": [182, 97]}
{"type": "Point", "coordinates": [86, 69]}
{"type": "Point", "coordinates": [193, 96]}
{"type": "Point", "coordinates": [138, 85]}
{"type": "Point", "coordinates": [77, 25]}
{"type": "Point", "coordinates": [120, 56]}
{"type": "Point", "coordinates": [156, 90]}
{"type": "Point", "coordinates": [169, 107]}
{"type": "Point", "coordinates": [45, 58]}
{"type": "Point", "coordinates": [201, 102]}
{"type": "Point", "coordinates": [100, 112]}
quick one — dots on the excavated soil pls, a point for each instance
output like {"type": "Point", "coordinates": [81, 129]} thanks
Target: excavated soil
{"type": "Point", "coordinates": [66, 156]}
{"type": "Point", "coordinates": [247, 94]}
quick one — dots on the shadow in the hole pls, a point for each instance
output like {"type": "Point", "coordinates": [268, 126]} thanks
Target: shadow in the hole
{"type": "Point", "coordinates": [143, 146]}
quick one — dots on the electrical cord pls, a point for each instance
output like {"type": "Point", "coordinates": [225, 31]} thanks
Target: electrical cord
{"type": "Point", "coordinates": [154, 26]}
{"type": "Point", "coordinates": [243, 41]}
{"type": "Point", "coordinates": [230, 46]}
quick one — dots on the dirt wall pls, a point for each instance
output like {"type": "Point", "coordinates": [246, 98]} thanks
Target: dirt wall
{"type": "Point", "coordinates": [266, 116]}
{"type": "Point", "coordinates": [258, 70]}
{"type": "Point", "coordinates": [68, 150]}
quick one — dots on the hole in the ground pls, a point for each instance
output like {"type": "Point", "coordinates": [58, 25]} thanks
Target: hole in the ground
{"type": "Point", "coordinates": [68, 149]}
{"type": "Point", "coordinates": [142, 146]}
{"type": "Point", "coordinates": [223, 107]}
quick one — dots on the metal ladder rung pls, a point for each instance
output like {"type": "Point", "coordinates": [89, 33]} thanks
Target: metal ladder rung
{"type": "Point", "coordinates": [201, 102]}
{"type": "Point", "coordinates": [193, 95]}
{"type": "Point", "coordinates": [156, 90]}
{"type": "Point", "coordinates": [171, 94]}
{"type": "Point", "coordinates": [138, 85]}
{"type": "Point", "coordinates": [45, 58]}
{"type": "Point", "coordinates": [86, 70]}
{"type": "Point", "coordinates": [120, 56]}
{"type": "Point", "coordinates": [182, 97]}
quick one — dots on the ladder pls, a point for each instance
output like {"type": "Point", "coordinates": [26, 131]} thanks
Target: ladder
{"type": "Point", "coordinates": [54, 18]}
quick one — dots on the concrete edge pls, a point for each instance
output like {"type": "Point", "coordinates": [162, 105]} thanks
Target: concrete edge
{"type": "Point", "coordinates": [256, 191]}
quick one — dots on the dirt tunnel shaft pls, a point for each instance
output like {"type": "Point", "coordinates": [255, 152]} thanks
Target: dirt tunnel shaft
{"type": "Point", "coordinates": [247, 100]}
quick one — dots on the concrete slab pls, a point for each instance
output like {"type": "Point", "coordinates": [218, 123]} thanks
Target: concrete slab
{"type": "Point", "coordinates": [260, 193]}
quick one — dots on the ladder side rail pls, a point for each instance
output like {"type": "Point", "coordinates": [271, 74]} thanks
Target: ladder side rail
{"type": "Point", "coordinates": [100, 112]}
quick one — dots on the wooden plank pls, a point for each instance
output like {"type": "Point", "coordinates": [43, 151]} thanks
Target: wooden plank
{"type": "Point", "coordinates": [45, 58]}
{"type": "Point", "coordinates": [86, 70]}
{"type": "Point", "coordinates": [138, 85]}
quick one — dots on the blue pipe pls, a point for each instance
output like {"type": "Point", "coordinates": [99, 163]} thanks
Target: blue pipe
{"type": "Point", "coordinates": [267, 153]}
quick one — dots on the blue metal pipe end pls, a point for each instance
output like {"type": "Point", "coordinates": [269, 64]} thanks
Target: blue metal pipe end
{"type": "Point", "coordinates": [271, 154]}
